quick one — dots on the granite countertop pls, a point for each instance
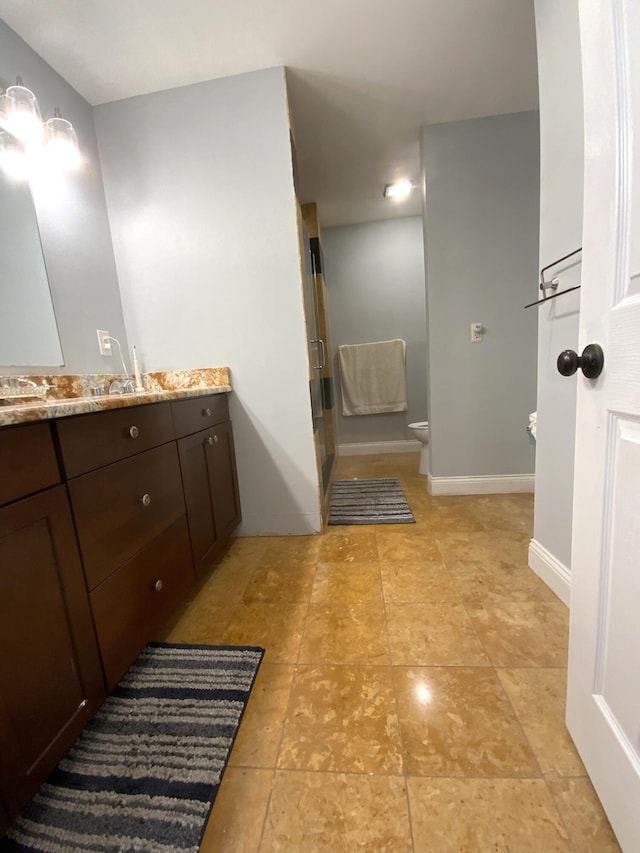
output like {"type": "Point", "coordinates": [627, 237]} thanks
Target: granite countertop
{"type": "Point", "coordinates": [70, 394]}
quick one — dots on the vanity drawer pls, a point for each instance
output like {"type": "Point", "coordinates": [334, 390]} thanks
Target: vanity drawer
{"type": "Point", "coordinates": [120, 508]}
{"type": "Point", "coordinates": [100, 438]}
{"type": "Point", "coordinates": [199, 413]}
{"type": "Point", "coordinates": [27, 461]}
{"type": "Point", "coordinates": [130, 606]}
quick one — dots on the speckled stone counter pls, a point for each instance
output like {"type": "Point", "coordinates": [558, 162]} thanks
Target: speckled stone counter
{"type": "Point", "coordinates": [72, 394]}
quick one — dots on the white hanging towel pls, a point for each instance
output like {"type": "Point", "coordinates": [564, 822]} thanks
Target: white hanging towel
{"type": "Point", "coordinates": [373, 377]}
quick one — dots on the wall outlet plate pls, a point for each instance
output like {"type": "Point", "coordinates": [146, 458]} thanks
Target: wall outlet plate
{"type": "Point", "coordinates": [476, 333]}
{"type": "Point", "coordinates": [104, 343]}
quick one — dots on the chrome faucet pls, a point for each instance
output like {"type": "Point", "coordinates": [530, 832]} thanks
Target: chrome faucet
{"type": "Point", "coordinates": [19, 387]}
{"type": "Point", "coordinates": [122, 385]}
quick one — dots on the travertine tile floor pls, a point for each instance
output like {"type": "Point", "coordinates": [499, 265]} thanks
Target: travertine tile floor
{"type": "Point", "coordinates": [412, 692]}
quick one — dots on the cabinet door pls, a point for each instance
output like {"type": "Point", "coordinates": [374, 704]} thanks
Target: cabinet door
{"type": "Point", "coordinates": [50, 675]}
{"type": "Point", "coordinates": [221, 464]}
{"type": "Point", "coordinates": [4, 818]}
{"type": "Point", "coordinates": [197, 496]}
{"type": "Point", "coordinates": [207, 461]}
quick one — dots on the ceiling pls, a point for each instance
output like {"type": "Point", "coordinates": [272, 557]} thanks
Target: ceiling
{"type": "Point", "coordinates": [364, 75]}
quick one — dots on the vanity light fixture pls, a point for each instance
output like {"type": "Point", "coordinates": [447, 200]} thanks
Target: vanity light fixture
{"type": "Point", "coordinates": [24, 137]}
{"type": "Point", "coordinates": [21, 113]}
{"type": "Point", "coordinates": [61, 142]}
{"type": "Point", "coordinates": [399, 191]}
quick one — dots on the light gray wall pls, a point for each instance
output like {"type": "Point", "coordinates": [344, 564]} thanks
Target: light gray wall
{"type": "Point", "coordinates": [561, 192]}
{"type": "Point", "coordinates": [72, 218]}
{"type": "Point", "coordinates": [481, 238]}
{"type": "Point", "coordinates": [375, 291]}
{"type": "Point", "coordinates": [201, 201]}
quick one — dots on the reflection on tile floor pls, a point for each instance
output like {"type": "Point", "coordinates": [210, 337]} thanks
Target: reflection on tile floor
{"type": "Point", "coordinates": [411, 697]}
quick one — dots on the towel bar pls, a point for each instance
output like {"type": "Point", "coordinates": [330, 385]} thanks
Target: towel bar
{"type": "Point", "coordinates": [546, 285]}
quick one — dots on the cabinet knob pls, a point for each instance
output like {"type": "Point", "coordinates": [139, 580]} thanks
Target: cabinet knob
{"type": "Point", "coordinates": [158, 585]}
{"type": "Point", "coordinates": [206, 413]}
{"type": "Point", "coordinates": [215, 438]}
{"type": "Point", "coordinates": [146, 500]}
{"type": "Point", "coordinates": [134, 432]}
{"type": "Point", "coordinates": [210, 440]}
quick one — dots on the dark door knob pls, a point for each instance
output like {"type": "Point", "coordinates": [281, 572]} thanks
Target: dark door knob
{"type": "Point", "coordinates": [590, 362]}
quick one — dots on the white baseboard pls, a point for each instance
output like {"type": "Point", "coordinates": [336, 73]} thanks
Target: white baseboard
{"type": "Point", "coordinates": [369, 447]}
{"type": "Point", "coordinates": [554, 573]}
{"type": "Point", "coordinates": [487, 485]}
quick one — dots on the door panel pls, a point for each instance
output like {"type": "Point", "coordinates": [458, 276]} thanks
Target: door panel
{"type": "Point", "coordinates": [604, 678]}
{"type": "Point", "coordinates": [618, 675]}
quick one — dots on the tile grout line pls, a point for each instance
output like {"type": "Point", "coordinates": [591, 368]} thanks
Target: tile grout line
{"type": "Point", "coordinates": [395, 700]}
{"type": "Point", "coordinates": [519, 722]}
{"type": "Point", "coordinates": [284, 720]}
{"type": "Point", "coordinates": [434, 776]}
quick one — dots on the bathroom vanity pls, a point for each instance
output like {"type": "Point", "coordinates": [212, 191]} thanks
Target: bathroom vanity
{"type": "Point", "coordinates": [106, 520]}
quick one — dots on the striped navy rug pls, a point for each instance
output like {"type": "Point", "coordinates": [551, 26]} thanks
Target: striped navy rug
{"type": "Point", "coordinates": [379, 501]}
{"type": "Point", "coordinates": [144, 773]}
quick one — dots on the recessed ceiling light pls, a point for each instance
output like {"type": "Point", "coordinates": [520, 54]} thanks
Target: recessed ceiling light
{"type": "Point", "coordinates": [398, 191]}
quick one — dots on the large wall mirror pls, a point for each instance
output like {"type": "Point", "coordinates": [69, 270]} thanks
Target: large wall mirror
{"type": "Point", "coordinates": [28, 329]}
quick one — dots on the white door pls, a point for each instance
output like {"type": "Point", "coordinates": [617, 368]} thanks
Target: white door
{"type": "Point", "coordinates": [603, 704]}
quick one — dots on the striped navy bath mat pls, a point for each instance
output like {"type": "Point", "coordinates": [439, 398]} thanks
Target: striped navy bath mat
{"type": "Point", "coordinates": [144, 773]}
{"type": "Point", "coordinates": [379, 501]}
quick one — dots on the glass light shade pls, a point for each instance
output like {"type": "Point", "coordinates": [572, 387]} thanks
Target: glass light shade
{"type": "Point", "coordinates": [13, 158]}
{"type": "Point", "coordinates": [4, 110]}
{"type": "Point", "coordinates": [61, 142]}
{"type": "Point", "coordinates": [22, 113]}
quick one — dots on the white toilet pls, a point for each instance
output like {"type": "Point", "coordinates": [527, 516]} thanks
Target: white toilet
{"type": "Point", "coordinates": [420, 430]}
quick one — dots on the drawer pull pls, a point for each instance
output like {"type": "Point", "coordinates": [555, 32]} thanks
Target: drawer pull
{"type": "Point", "coordinates": [146, 500]}
{"type": "Point", "coordinates": [210, 440]}
{"type": "Point", "coordinates": [215, 438]}
{"type": "Point", "coordinates": [206, 413]}
{"type": "Point", "coordinates": [134, 432]}
{"type": "Point", "coordinates": [158, 586]}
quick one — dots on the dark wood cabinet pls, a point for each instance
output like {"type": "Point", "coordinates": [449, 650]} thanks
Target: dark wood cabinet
{"type": "Point", "coordinates": [93, 563]}
{"type": "Point", "coordinates": [50, 675]}
{"type": "Point", "coordinates": [27, 461]}
{"type": "Point", "coordinates": [198, 499]}
{"type": "Point", "coordinates": [91, 441]}
{"type": "Point", "coordinates": [210, 481]}
{"type": "Point", "coordinates": [131, 524]}
{"type": "Point", "coordinates": [223, 476]}
{"type": "Point", "coordinates": [120, 508]}
{"type": "Point", "coordinates": [133, 603]}
{"type": "Point", "coordinates": [191, 416]}
{"type": "Point", "coordinates": [4, 818]}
